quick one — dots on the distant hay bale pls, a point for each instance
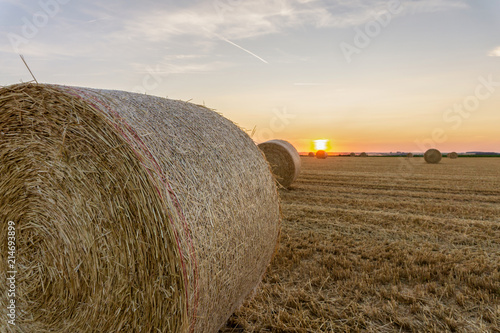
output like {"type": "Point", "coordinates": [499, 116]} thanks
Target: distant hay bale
{"type": "Point", "coordinates": [352, 154]}
{"type": "Point", "coordinates": [321, 154]}
{"type": "Point", "coordinates": [363, 155]}
{"type": "Point", "coordinates": [453, 155]}
{"type": "Point", "coordinates": [283, 159]}
{"type": "Point", "coordinates": [409, 155]}
{"type": "Point", "coordinates": [433, 156]}
{"type": "Point", "coordinates": [311, 154]}
{"type": "Point", "coordinates": [133, 213]}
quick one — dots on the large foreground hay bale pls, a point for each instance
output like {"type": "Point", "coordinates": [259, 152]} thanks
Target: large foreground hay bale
{"type": "Point", "coordinates": [433, 156]}
{"type": "Point", "coordinates": [453, 155]}
{"type": "Point", "coordinates": [133, 213]}
{"type": "Point", "coordinates": [321, 154]}
{"type": "Point", "coordinates": [283, 159]}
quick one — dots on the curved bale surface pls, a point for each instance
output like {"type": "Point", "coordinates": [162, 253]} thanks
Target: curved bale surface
{"type": "Point", "coordinates": [311, 154]}
{"type": "Point", "coordinates": [352, 154]}
{"type": "Point", "coordinates": [409, 155]}
{"type": "Point", "coordinates": [433, 156]}
{"type": "Point", "coordinates": [363, 155]}
{"type": "Point", "coordinates": [133, 213]}
{"type": "Point", "coordinates": [453, 155]}
{"type": "Point", "coordinates": [321, 154]}
{"type": "Point", "coordinates": [283, 159]}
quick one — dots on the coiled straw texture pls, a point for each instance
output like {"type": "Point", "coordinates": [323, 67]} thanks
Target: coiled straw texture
{"type": "Point", "coordinates": [283, 159]}
{"type": "Point", "coordinates": [133, 213]}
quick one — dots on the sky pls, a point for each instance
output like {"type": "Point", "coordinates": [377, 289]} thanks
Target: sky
{"type": "Point", "coordinates": [374, 76]}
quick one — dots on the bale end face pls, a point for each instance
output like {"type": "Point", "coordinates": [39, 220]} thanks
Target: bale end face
{"type": "Point", "coordinates": [284, 160]}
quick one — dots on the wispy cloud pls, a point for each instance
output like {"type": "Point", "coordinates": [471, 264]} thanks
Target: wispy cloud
{"type": "Point", "coordinates": [495, 52]}
{"type": "Point", "coordinates": [253, 18]}
{"type": "Point", "coordinates": [182, 37]}
{"type": "Point", "coordinates": [109, 24]}
{"type": "Point", "coordinates": [169, 65]}
{"type": "Point", "coordinates": [307, 84]}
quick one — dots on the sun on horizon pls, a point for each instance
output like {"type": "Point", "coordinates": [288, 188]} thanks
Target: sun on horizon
{"type": "Point", "coordinates": [322, 144]}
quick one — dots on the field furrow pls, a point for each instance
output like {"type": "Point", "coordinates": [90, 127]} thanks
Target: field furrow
{"type": "Point", "coordinates": [366, 247]}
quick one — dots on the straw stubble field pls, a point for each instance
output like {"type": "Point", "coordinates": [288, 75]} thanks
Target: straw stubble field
{"type": "Point", "coordinates": [384, 245]}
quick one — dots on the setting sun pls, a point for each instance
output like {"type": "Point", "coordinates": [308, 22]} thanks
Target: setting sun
{"type": "Point", "coordinates": [321, 144]}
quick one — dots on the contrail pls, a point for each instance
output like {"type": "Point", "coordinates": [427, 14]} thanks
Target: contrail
{"type": "Point", "coordinates": [241, 48]}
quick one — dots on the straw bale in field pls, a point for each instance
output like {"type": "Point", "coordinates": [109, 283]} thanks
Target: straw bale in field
{"type": "Point", "coordinates": [133, 213]}
{"type": "Point", "coordinates": [433, 156]}
{"type": "Point", "coordinates": [321, 154]}
{"type": "Point", "coordinates": [283, 159]}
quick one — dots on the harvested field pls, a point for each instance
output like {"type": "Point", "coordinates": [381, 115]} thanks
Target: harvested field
{"type": "Point", "coordinates": [365, 248]}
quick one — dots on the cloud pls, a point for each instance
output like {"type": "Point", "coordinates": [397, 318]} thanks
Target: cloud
{"type": "Point", "coordinates": [431, 6]}
{"type": "Point", "coordinates": [495, 52]}
{"type": "Point", "coordinates": [181, 37]}
{"type": "Point", "coordinates": [252, 18]}
{"type": "Point", "coordinates": [196, 25]}
{"type": "Point", "coordinates": [171, 65]}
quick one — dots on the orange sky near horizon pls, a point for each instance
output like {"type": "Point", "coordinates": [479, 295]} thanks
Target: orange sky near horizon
{"type": "Point", "coordinates": [380, 130]}
{"type": "Point", "coordinates": [295, 70]}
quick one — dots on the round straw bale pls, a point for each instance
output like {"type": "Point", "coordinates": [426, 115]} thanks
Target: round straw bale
{"type": "Point", "coordinates": [321, 154]}
{"type": "Point", "coordinates": [409, 155]}
{"type": "Point", "coordinates": [352, 154]}
{"type": "Point", "coordinates": [311, 154]}
{"type": "Point", "coordinates": [133, 213]}
{"type": "Point", "coordinates": [453, 155]}
{"type": "Point", "coordinates": [283, 159]}
{"type": "Point", "coordinates": [433, 156]}
{"type": "Point", "coordinates": [363, 155]}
